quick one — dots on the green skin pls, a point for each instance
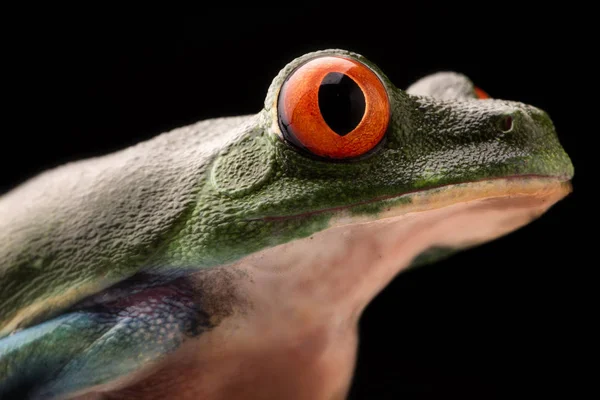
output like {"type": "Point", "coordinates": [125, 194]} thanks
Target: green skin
{"type": "Point", "coordinates": [204, 196]}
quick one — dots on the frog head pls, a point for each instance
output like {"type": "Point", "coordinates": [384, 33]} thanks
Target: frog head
{"type": "Point", "coordinates": [337, 143]}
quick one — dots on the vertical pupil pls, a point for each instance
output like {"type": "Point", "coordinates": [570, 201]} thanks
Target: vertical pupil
{"type": "Point", "coordinates": [342, 102]}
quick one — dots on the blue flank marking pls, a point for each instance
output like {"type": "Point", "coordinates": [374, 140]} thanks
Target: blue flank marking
{"type": "Point", "coordinates": [103, 338]}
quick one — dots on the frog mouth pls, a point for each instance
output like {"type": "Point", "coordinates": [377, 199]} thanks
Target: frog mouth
{"type": "Point", "coordinates": [442, 195]}
{"type": "Point", "coordinates": [350, 261]}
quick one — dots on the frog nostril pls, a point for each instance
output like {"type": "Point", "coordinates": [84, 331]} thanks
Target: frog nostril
{"type": "Point", "coordinates": [506, 123]}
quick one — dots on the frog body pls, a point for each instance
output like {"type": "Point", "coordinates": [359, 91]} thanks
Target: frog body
{"type": "Point", "coordinates": [232, 258]}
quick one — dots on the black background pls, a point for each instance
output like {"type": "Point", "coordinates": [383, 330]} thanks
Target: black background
{"type": "Point", "coordinates": [501, 320]}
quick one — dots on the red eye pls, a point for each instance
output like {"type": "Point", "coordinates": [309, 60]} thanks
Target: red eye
{"type": "Point", "coordinates": [481, 94]}
{"type": "Point", "coordinates": [333, 107]}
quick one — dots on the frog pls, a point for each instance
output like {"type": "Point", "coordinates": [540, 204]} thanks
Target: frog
{"type": "Point", "coordinates": [234, 257]}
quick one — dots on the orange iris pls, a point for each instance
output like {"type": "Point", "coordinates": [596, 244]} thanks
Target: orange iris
{"type": "Point", "coordinates": [341, 89]}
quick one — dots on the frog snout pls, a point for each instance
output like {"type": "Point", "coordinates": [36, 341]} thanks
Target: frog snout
{"type": "Point", "coordinates": [524, 122]}
{"type": "Point", "coordinates": [529, 135]}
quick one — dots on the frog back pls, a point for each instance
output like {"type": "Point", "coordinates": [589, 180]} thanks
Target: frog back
{"type": "Point", "coordinates": [81, 227]}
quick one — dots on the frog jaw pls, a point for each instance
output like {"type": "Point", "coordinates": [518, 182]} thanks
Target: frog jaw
{"type": "Point", "coordinates": [347, 273]}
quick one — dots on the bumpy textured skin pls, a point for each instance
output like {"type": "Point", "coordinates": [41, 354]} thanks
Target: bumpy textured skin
{"type": "Point", "coordinates": [445, 85]}
{"type": "Point", "coordinates": [211, 193]}
{"type": "Point", "coordinates": [84, 226]}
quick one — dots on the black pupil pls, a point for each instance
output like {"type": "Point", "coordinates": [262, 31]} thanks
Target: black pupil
{"type": "Point", "coordinates": [342, 102]}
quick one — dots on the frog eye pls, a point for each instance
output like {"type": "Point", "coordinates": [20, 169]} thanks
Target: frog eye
{"type": "Point", "coordinates": [333, 107]}
{"type": "Point", "coordinates": [481, 94]}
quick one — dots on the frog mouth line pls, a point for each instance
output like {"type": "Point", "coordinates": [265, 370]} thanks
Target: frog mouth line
{"type": "Point", "coordinates": [559, 181]}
